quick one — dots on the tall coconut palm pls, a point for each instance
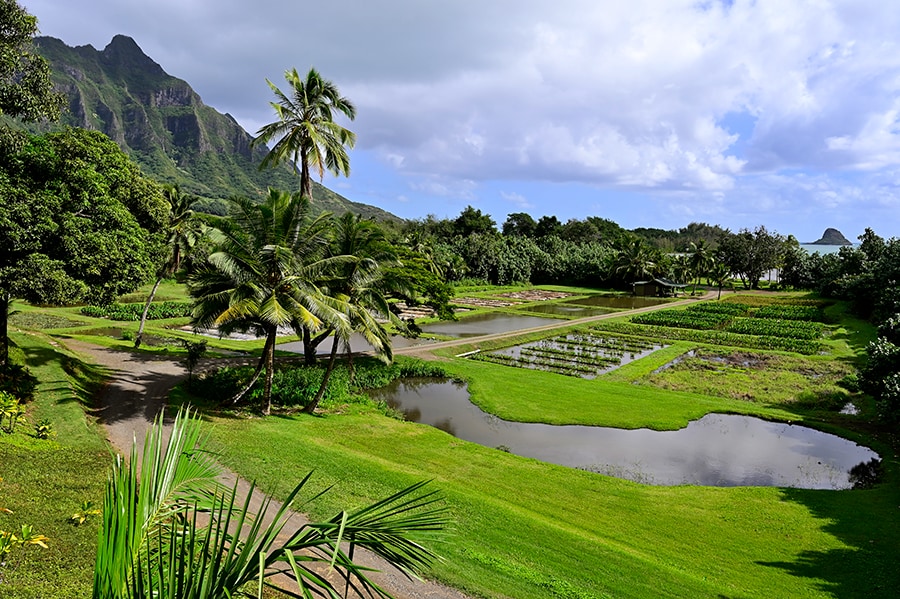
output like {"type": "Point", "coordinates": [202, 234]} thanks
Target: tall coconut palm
{"type": "Point", "coordinates": [263, 276]}
{"type": "Point", "coordinates": [360, 285]}
{"type": "Point", "coordinates": [306, 132]}
{"type": "Point", "coordinates": [184, 230]}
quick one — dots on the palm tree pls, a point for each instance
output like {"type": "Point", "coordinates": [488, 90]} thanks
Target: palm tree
{"type": "Point", "coordinates": [262, 276]}
{"type": "Point", "coordinates": [153, 544]}
{"type": "Point", "coordinates": [634, 261]}
{"type": "Point", "coordinates": [184, 230]}
{"type": "Point", "coordinates": [719, 274]}
{"type": "Point", "coordinates": [360, 285]}
{"type": "Point", "coordinates": [682, 268]}
{"type": "Point", "coordinates": [701, 259]}
{"type": "Point", "coordinates": [306, 132]}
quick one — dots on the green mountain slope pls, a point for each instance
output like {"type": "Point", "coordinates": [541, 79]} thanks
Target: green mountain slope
{"type": "Point", "coordinates": [166, 128]}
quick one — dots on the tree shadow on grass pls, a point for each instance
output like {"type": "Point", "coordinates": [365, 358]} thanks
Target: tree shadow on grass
{"type": "Point", "coordinates": [867, 522]}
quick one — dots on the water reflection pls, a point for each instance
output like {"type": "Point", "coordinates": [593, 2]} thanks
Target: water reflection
{"type": "Point", "coordinates": [567, 309]}
{"type": "Point", "coordinates": [619, 302]}
{"type": "Point", "coordinates": [486, 324]}
{"type": "Point", "coordinates": [717, 450]}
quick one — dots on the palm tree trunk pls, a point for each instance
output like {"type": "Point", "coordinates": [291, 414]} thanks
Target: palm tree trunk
{"type": "Point", "coordinates": [309, 349]}
{"type": "Point", "coordinates": [4, 327]}
{"type": "Point", "coordinates": [269, 352]}
{"type": "Point", "coordinates": [140, 333]}
{"type": "Point", "coordinates": [311, 407]}
{"type": "Point", "coordinates": [259, 368]}
{"type": "Point", "coordinates": [350, 362]}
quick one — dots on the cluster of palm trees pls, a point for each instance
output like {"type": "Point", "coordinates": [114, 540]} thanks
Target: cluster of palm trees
{"type": "Point", "coordinates": [637, 260]}
{"type": "Point", "coordinates": [277, 264]}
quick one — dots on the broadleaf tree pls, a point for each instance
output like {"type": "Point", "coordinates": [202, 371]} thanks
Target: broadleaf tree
{"type": "Point", "coordinates": [78, 222]}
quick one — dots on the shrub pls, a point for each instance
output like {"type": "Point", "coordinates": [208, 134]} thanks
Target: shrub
{"type": "Point", "coordinates": [295, 386]}
{"type": "Point", "coordinates": [18, 381]}
{"type": "Point", "coordinates": [130, 312]}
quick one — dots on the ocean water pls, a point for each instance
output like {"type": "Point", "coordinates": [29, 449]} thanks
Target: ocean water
{"type": "Point", "coordinates": [822, 249]}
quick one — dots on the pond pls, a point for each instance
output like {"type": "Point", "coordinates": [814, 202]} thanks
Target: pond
{"type": "Point", "coordinates": [486, 324]}
{"type": "Point", "coordinates": [568, 310]}
{"type": "Point", "coordinates": [358, 343]}
{"type": "Point", "coordinates": [717, 450]}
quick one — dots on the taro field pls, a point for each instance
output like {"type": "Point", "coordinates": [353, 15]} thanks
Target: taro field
{"type": "Point", "coordinates": [584, 355]}
{"type": "Point", "coordinates": [776, 325]}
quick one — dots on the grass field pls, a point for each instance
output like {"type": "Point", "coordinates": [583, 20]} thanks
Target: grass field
{"type": "Point", "coordinates": [45, 482]}
{"type": "Point", "coordinates": [520, 528]}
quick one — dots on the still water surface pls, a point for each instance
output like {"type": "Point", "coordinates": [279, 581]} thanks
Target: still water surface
{"type": "Point", "coordinates": [486, 324]}
{"type": "Point", "coordinates": [717, 450]}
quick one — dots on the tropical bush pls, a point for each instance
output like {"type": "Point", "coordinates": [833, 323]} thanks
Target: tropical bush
{"type": "Point", "coordinates": [127, 312]}
{"type": "Point", "coordinates": [295, 385]}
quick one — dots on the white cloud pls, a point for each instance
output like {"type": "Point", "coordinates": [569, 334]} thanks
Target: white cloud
{"type": "Point", "coordinates": [517, 199]}
{"type": "Point", "coordinates": [637, 96]}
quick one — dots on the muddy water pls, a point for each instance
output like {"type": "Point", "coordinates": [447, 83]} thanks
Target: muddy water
{"type": "Point", "coordinates": [566, 309]}
{"type": "Point", "coordinates": [717, 450]}
{"type": "Point", "coordinates": [618, 302]}
{"type": "Point", "coordinates": [486, 324]}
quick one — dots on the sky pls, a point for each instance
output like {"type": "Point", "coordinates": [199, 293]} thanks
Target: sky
{"type": "Point", "coordinates": [651, 113]}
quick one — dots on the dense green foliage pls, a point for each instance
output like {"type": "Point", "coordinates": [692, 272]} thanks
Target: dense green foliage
{"type": "Point", "coordinates": [25, 88]}
{"type": "Point", "coordinates": [294, 386]}
{"type": "Point", "coordinates": [78, 221]}
{"type": "Point", "coordinates": [126, 312]}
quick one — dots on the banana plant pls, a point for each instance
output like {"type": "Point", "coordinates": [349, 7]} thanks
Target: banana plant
{"type": "Point", "coordinates": [170, 531]}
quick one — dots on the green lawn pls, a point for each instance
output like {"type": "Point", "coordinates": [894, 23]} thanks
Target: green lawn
{"type": "Point", "coordinates": [46, 481]}
{"type": "Point", "coordinates": [520, 528]}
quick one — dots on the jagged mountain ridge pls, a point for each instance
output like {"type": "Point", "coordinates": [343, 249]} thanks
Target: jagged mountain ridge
{"type": "Point", "coordinates": [163, 124]}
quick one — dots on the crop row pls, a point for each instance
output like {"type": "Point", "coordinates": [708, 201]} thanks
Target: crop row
{"type": "Point", "coordinates": [764, 300]}
{"type": "Point", "coordinates": [682, 319]}
{"type": "Point", "coordinates": [714, 337]}
{"type": "Point", "coordinates": [574, 354]}
{"type": "Point", "coordinates": [559, 367]}
{"type": "Point", "coordinates": [731, 309]}
{"type": "Point", "coordinates": [532, 353]}
{"type": "Point", "coordinates": [603, 343]}
{"type": "Point", "coordinates": [126, 312]}
{"type": "Point", "coordinates": [777, 328]}
{"type": "Point", "coordinates": [808, 313]}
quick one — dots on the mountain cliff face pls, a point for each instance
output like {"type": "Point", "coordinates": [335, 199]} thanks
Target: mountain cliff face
{"type": "Point", "coordinates": [165, 126]}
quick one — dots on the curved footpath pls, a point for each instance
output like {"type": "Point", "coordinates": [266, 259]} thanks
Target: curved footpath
{"type": "Point", "coordinates": [140, 383]}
